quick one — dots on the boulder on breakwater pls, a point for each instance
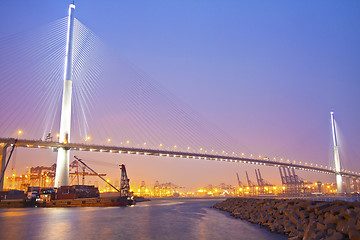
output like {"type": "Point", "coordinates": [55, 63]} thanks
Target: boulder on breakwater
{"type": "Point", "coordinates": [299, 219]}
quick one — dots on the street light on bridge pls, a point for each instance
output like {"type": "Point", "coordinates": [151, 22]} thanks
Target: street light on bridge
{"type": "Point", "coordinates": [19, 133]}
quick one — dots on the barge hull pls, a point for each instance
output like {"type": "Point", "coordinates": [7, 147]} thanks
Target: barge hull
{"type": "Point", "coordinates": [87, 202]}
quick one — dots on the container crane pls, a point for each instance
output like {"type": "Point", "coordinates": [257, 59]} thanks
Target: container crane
{"type": "Point", "coordinates": [250, 184]}
{"type": "Point", "coordinates": [238, 179]}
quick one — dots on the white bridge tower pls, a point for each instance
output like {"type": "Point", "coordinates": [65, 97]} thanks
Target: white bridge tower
{"type": "Point", "coordinates": [339, 182]}
{"type": "Point", "coordinates": [63, 158]}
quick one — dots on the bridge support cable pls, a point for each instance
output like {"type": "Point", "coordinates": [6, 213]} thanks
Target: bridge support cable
{"type": "Point", "coordinates": [87, 79]}
{"type": "Point", "coordinates": [151, 116]}
{"type": "Point", "coordinates": [146, 113]}
{"type": "Point", "coordinates": [31, 64]}
{"type": "Point", "coordinates": [131, 104]}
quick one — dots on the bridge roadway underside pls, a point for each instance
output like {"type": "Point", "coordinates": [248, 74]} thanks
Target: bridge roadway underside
{"type": "Point", "coordinates": [165, 153]}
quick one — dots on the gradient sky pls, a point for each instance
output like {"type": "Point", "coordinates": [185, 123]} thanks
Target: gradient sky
{"type": "Point", "coordinates": [266, 72]}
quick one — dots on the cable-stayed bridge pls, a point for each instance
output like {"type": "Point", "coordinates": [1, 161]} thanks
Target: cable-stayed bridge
{"type": "Point", "coordinates": [174, 154]}
{"type": "Point", "coordinates": [84, 72]}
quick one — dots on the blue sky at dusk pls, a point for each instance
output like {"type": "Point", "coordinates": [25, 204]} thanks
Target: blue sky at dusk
{"type": "Point", "coordinates": [268, 73]}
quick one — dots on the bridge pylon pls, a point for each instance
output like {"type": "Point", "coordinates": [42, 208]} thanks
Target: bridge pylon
{"type": "Point", "coordinates": [63, 158]}
{"type": "Point", "coordinates": [339, 181]}
{"type": "Point", "coordinates": [3, 147]}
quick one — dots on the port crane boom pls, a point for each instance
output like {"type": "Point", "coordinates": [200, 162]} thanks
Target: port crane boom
{"type": "Point", "coordinates": [96, 173]}
{"type": "Point", "coordinates": [239, 182]}
{"type": "Point", "coordinates": [248, 180]}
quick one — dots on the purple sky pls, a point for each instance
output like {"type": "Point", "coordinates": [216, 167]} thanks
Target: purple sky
{"type": "Point", "coordinates": [267, 73]}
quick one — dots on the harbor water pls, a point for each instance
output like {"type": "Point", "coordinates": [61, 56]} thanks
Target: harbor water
{"type": "Point", "coordinates": [156, 219]}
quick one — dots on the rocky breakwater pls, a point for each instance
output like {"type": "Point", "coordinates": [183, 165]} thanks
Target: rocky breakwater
{"type": "Point", "coordinates": [299, 219]}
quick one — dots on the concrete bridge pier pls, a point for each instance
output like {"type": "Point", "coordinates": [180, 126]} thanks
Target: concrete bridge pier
{"type": "Point", "coordinates": [347, 185]}
{"type": "Point", "coordinates": [3, 148]}
{"type": "Point", "coordinates": [356, 184]}
{"type": "Point", "coordinates": [354, 181]}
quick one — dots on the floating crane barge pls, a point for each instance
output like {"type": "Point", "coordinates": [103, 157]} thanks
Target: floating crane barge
{"type": "Point", "coordinates": [72, 196]}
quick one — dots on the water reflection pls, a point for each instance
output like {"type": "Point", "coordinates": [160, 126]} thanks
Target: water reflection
{"type": "Point", "coordinates": [14, 213]}
{"type": "Point", "coordinates": [158, 219]}
{"type": "Point", "coordinates": [56, 223]}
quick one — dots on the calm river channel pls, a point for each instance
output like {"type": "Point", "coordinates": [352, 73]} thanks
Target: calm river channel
{"type": "Point", "coordinates": [157, 219]}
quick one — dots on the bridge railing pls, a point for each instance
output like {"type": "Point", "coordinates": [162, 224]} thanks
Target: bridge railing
{"type": "Point", "coordinates": [169, 153]}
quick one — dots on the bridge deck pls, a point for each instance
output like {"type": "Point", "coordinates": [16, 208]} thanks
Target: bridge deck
{"type": "Point", "coordinates": [166, 153]}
